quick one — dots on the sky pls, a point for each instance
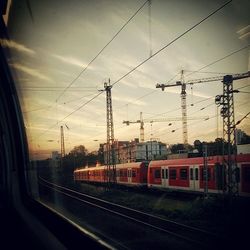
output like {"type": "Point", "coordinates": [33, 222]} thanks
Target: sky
{"type": "Point", "coordinates": [52, 42]}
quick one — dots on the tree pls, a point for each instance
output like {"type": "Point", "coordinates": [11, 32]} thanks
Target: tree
{"type": "Point", "coordinates": [79, 150]}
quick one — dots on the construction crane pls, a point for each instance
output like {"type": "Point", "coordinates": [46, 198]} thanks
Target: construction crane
{"type": "Point", "coordinates": [141, 121]}
{"type": "Point", "coordinates": [183, 84]}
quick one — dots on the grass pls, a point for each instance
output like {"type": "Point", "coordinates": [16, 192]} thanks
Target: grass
{"type": "Point", "coordinates": [213, 214]}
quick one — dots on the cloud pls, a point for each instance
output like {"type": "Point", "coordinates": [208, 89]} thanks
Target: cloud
{"type": "Point", "coordinates": [71, 60]}
{"type": "Point", "coordinates": [31, 72]}
{"type": "Point", "coordinates": [199, 94]}
{"type": "Point", "coordinates": [17, 46]}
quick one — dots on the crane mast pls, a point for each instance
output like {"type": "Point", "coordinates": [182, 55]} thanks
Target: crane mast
{"type": "Point", "coordinates": [184, 110]}
{"type": "Point", "coordinates": [141, 128]}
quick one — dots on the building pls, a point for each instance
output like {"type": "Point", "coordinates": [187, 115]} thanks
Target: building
{"type": "Point", "coordinates": [239, 135]}
{"type": "Point", "coordinates": [135, 151]}
{"type": "Point", "coordinates": [55, 155]}
{"type": "Point", "coordinates": [243, 149]}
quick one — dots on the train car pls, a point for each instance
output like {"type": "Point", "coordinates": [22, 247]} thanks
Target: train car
{"type": "Point", "coordinates": [188, 174]}
{"type": "Point", "coordinates": [133, 174]}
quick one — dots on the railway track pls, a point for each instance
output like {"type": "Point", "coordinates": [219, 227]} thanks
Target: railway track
{"type": "Point", "coordinates": [197, 237]}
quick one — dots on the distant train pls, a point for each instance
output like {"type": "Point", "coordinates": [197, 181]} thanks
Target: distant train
{"type": "Point", "coordinates": [175, 174]}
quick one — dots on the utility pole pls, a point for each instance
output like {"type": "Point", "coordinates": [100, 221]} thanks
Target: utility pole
{"type": "Point", "coordinates": [62, 145]}
{"type": "Point", "coordinates": [226, 100]}
{"type": "Point", "coordinates": [111, 164]}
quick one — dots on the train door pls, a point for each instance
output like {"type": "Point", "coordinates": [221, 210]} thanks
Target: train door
{"type": "Point", "coordinates": [164, 176]}
{"type": "Point", "coordinates": [129, 175]}
{"type": "Point", "coordinates": [194, 177]}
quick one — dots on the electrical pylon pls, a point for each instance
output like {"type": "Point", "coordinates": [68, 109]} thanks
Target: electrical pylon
{"type": "Point", "coordinates": [226, 100]}
{"type": "Point", "coordinates": [111, 164]}
{"type": "Point", "coordinates": [62, 145]}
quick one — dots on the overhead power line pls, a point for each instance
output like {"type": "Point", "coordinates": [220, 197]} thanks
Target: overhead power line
{"type": "Point", "coordinates": [210, 118]}
{"type": "Point", "coordinates": [84, 104]}
{"type": "Point", "coordinates": [77, 77]}
{"type": "Point", "coordinates": [173, 41]}
{"type": "Point", "coordinates": [196, 71]}
{"type": "Point", "coordinates": [218, 60]}
{"type": "Point", "coordinates": [140, 64]}
{"type": "Point", "coordinates": [238, 122]}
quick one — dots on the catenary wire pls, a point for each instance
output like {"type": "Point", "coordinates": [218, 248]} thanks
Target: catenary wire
{"type": "Point", "coordinates": [196, 71]}
{"type": "Point", "coordinates": [173, 41]}
{"type": "Point", "coordinates": [77, 77]}
{"type": "Point", "coordinates": [218, 60]}
{"type": "Point", "coordinates": [140, 64]}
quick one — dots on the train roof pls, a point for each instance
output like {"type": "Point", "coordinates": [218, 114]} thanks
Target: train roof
{"type": "Point", "coordinates": [118, 166]}
{"type": "Point", "coordinates": [197, 160]}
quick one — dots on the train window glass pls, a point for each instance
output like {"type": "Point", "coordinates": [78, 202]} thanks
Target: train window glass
{"type": "Point", "coordinates": [209, 176]}
{"type": "Point", "coordinates": [162, 174]}
{"type": "Point", "coordinates": [183, 174]}
{"type": "Point", "coordinates": [203, 174]}
{"type": "Point", "coordinates": [172, 174]}
{"type": "Point", "coordinates": [133, 173]}
{"type": "Point", "coordinates": [64, 72]}
{"type": "Point", "coordinates": [246, 173]}
{"type": "Point", "coordinates": [157, 173]}
{"type": "Point", "coordinates": [191, 174]}
{"type": "Point", "coordinates": [196, 174]}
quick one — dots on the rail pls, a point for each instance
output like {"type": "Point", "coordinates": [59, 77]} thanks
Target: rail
{"type": "Point", "coordinates": [193, 235]}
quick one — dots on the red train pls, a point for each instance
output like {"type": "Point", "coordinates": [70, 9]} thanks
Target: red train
{"type": "Point", "coordinates": [175, 174]}
{"type": "Point", "coordinates": [134, 173]}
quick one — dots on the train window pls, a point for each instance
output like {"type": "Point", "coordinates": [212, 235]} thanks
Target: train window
{"type": "Point", "coordinates": [183, 174]}
{"type": "Point", "coordinates": [172, 174]}
{"type": "Point", "coordinates": [129, 173]}
{"type": "Point", "coordinates": [162, 174]}
{"type": "Point", "coordinates": [125, 173]}
{"type": "Point", "coordinates": [203, 174]}
{"type": "Point", "coordinates": [157, 173]}
{"type": "Point", "coordinates": [209, 176]}
{"type": "Point", "coordinates": [191, 174]}
{"type": "Point", "coordinates": [81, 67]}
{"type": "Point", "coordinates": [246, 173]}
{"type": "Point", "coordinates": [196, 174]}
{"type": "Point", "coordinates": [133, 173]}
